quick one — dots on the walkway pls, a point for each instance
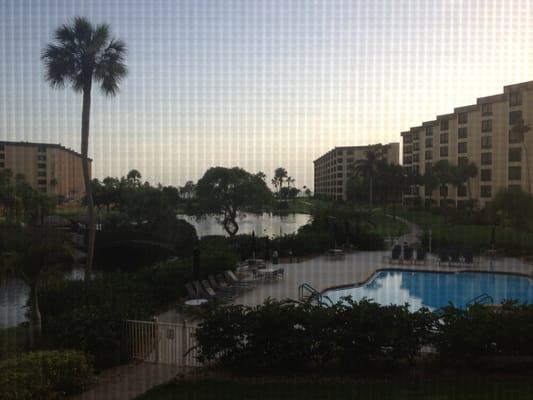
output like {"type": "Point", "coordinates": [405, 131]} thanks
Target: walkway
{"type": "Point", "coordinates": [129, 381]}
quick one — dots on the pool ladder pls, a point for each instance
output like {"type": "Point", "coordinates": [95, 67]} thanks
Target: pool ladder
{"type": "Point", "coordinates": [308, 293]}
{"type": "Point", "coordinates": [483, 298]}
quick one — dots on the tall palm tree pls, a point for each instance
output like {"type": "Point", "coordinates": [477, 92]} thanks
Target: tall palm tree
{"type": "Point", "coordinates": [280, 174]}
{"type": "Point", "coordinates": [520, 128]}
{"type": "Point", "coordinates": [368, 168]}
{"type": "Point", "coordinates": [134, 177]}
{"type": "Point", "coordinates": [83, 53]}
{"type": "Point", "coordinates": [442, 170]}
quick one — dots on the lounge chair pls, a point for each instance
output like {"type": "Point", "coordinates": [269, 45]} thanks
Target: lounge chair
{"type": "Point", "coordinates": [455, 258]}
{"type": "Point", "coordinates": [200, 291]}
{"type": "Point", "coordinates": [218, 295]}
{"type": "Point", "coordinates": [396, 253]}
{"type": "Point", "coordinates": [190, 291]}
{"type": "Point", "coordinates": [223, 283]}
{"type": "Point", "coordinates": [420, 256]}
{"type": "Point", "coordinates": [407, 255]}
{"type": "Point", "coordinates": [220, 288]}
{"type": "Point", "coordinates": [232, 278]}
{"type": "Point", "coordinates": [444, 257]}
{"type": "Point", "coordinates": [469, 257]}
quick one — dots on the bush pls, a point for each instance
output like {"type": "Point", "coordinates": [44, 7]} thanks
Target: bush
{"type": "Point", "coordinates": [286, 336]}
{"type": "Point", "coordinates": [45, 375]}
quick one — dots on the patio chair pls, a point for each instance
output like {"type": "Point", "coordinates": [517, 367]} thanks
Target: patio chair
{"type": "Point", "coordinates": [190, 291]}
{"type": "Point", "coordinates": [444, 257]}
{"type": "Point", "coordinates": [218, 287]}
{"type": "Point", "coordinates": [455, 258]}
{"type": "Point", "coordinates": [200, 291]}
{"type": "Point", "coordinates": [407, 255]}
{"type": "Point", "coordinates": [468, 257]}
{"type": "Point", "coordinates": [396, 253]}
{"type": "Point", "coordinates": [223, 282]}
{"type": "Point", "coordinates": [420, 256]}
{"type": "Point", "coordinates": [219, 295]}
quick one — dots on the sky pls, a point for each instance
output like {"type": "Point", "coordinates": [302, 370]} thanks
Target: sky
{"type": "Point", "coordinates": [256, 83]}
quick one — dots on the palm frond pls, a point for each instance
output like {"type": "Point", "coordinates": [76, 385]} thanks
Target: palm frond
{"type": "Point", "coordinates": [110, 68]}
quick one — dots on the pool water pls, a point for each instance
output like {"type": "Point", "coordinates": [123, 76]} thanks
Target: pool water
{"type": "Point", "coordinates": [437, 289]}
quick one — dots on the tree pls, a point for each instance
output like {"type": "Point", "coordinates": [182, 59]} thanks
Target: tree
{"type": "Point", "coordinates": [228, 191]}
{"type": "Point", "coordinates": [431, 182]}
{"type": "Point", "coordinates": [187, 191]}
{"type": "Point", "coordinates": [280, 174]}
{"type": "Point", "coordinates": [461, 175]}
{"type": "Point", "coordinates": [521, 129]}
{"type": "Point", "coordinates": [513, 206]}
{"type": "Point", "coordinates": [83, 53]}
{"type": "Point", "coordinates": [31, 255]}
{"type": "Point", "coordinates": [368, 167]}
{"type": "Point", "coordinates": [134, 178]}
{"type": "Point", "coordinates": [442, 171]}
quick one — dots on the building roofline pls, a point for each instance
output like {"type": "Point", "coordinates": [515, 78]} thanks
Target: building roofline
{"type": "Point", "coordinates": [471, 107]}
{"type": "Point", "coordinates": [355, 148]}
{"type": "Point", "coordinates": [36, 144]}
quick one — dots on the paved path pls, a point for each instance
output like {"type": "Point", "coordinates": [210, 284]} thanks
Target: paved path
{"type": "Point", "coordinates": [129, 381]}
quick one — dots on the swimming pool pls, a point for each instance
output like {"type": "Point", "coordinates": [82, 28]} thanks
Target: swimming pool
{"type": "Point", "coordinates": [436, 289]}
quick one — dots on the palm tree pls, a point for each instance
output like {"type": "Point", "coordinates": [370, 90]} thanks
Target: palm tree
{"type": "Point", "coordinates": [134, 177]}
{"type": "Point", "coordinates": [83, 53]}
{"type": "Point", "coordinates": [520, 128]}
{"type": "Point", "coordinates": [369, 166]}
{"type": "Point", "coordinates": [280, 174]}
{"type": "Point", "coordinates": [32, 255]}
{"type": "Point", "coordinates": [442, 170]}
{"type": "Point", "coordinates": [431, 183]}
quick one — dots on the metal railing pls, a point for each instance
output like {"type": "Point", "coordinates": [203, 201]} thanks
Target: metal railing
{"type": "Point", "coordinates": [483, 298]}
{"type": "Point", "coordinates": [306, 292]}
{"type": "Point", "coordinates": [162, 342]}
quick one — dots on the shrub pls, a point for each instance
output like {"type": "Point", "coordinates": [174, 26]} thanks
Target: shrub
{"type": "Point", "coordinates": [44, 375]}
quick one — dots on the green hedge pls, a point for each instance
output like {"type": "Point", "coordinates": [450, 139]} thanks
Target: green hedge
{"type": "Point", "coordinates": [289, 336]}
{"type": "Point", "coordinates": [44, 375]}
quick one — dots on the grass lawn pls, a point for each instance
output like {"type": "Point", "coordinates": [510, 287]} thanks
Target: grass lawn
{"type": "Point", "coordinates": [13, 341]}
{"type": "Point", "coordinates": [461, 388]}
{"type": "Point", "coordinates": [385, 225]}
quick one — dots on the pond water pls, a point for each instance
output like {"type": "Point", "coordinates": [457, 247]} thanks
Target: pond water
{"type": "Point", "coordinates": [262, 224]}
{"type": "Point", "coordinates": [13, 297]}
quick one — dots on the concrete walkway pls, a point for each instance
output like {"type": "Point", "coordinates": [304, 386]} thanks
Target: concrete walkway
{"type": "Point", "coordinates": [129, 381]}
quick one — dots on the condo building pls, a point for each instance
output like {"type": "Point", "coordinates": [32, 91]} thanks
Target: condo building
{"type": "Point", "coordinates": [50, 168]}
{"type": "Point", "coordinates": [480, 133]}
{"type": "Point", "coordinates": [332, 170]}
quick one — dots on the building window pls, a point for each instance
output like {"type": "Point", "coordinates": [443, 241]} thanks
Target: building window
{"type": "Point", "coordinates": [429, 155]}
{"type": "Point", "coordinates": [429, 131]}
{"type": "Point", "coordinates": [2, 164]}
{"type": "Point", "coordinates": [407, 159]}
{"type": "Point", "coordinates": [515, 154]}
{"type": "Point", "coordinates": [349, 160]}
{"type": "Point", "coordinates": [486, 142]}
{"type": "Point", "coordinates": [41, 158]}
{"type": "Point", "coordinates": [486, 158]}
{"type": "Point", "coordinates": [339, 175]}
{"type": "Point", "coordinates": [41, 149]}
{"type": "Point", "coordinates": [515, 137]}
{"type": "Point", "coordinates": [463, 118]}
{"type": "Point", "coordinates": [415, 136]}
{"type": "Point", "coordinates": [515, 98]}
{"type": "Point", "coordinates": [408, 149]}
{"type": "Point", "coordinates": [429, 142]}
{"type": "Point", "coordinates": [486, 125]}
{"type": "Point", "coordinates": [416, 157]}
{"type": "Point", "coordinates": [486, 109]}
{"type": "Point", "coordinates": [515, 187]}
{"type": "Point", "coordinates": [2, 147]}
{"type": "Point", "coordinates": [427, 191]}
{"type": "Point", "coordinates": [461, 147]}
{"type": "Point", "coordinates": [41, 182]}
{"type": "Point", "coordinates": [350, 152]}
{"type": "Point", "coordinates": [2, 156]}
{"type": "Point", "coordinates": [339, 167]}
{"type": "Point", "coordinates": [429, 167]}
{"type": "Point", "coordinates": [515, 173]}
{"type": "Point", "coordinates": [514, 117]}
{"type": "Point", "coordinates": [461, 191]}
{"type": "Point", "coordinates": [416, 168]}
{"type": "Point", "coordinates": [462, 161]}
{"type": "Point", "coordinates": [41, 173]}
{"type": "Point", "coordinates": [444, 191]}
{"type": "Point", "coordinates": [486, 191]}
{"type": "Point", "coordinates": [416, 146]}
{"type": "Point", "coordinates": [444, 124]}
{"type": "Point", "coordinates": [407, 139]}
{"type": "Point", "coordinates": [462, 133]}
{"type": "Point", "coordinates": [444, 152]}
{"type": "Point", "coordinates": [444, 138]}
{"type": "Point", "coordinates": [41, 166]}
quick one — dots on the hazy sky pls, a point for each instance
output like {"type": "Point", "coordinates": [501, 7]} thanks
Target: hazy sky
{"type": "Point", "coordinates": [258, 83]}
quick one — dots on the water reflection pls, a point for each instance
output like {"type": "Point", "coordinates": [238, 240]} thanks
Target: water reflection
{"type": "Point", "coordinates": [435, 290]}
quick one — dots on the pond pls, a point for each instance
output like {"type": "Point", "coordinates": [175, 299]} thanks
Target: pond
{"type": "Point", "coordinates": [13, 297]}
{"type": "Point", "coordinates": [265, 224]}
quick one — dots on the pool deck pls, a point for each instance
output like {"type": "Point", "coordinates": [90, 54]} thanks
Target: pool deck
{"type": "Point", "coordinates": [323, 273]}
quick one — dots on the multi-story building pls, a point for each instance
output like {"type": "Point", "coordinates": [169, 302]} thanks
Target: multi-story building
{"type": "Point", "coordinates": [51, 168]}
{"type": "Point", "coordinates": [333, 169]}
{"type": "Point", "coordinates": [480, 133]}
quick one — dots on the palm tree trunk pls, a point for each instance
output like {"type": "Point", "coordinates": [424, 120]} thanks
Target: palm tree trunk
{"type": "Point", "coordinates": [85, 119]}
{"type": "Point", "coordinates": [35, 318]}
{"type": "Point", "coordinates": [371, 192]}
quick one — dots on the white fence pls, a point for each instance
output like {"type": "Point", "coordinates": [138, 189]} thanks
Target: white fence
{"type": "Point", "coordinates": [161, 342]}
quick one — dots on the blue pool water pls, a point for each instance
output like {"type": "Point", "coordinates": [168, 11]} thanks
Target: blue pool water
{"type": "Point", "coordinates": [436, 289]}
